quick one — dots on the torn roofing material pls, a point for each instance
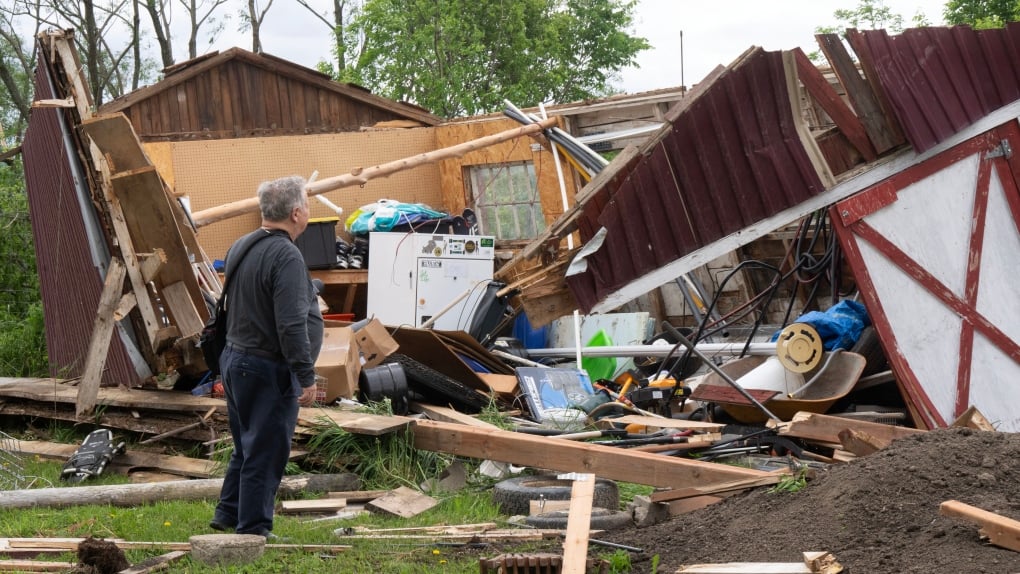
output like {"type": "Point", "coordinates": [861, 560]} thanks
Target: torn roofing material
{"type": "Point", "coordinates": [941, 80]}
{"type": "Point", "coordinates": [735, 154]}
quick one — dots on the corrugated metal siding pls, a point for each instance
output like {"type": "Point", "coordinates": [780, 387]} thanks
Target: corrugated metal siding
{"type": "Point", "coordinates": [69, 282]}
{"type": "Point", "coordinates": [940, 80]}
{"type": "Point", "coordinates": [732, 158]}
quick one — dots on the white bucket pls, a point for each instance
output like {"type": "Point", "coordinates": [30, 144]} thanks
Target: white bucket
{"type": "Point", "coordinates": [772, 376]}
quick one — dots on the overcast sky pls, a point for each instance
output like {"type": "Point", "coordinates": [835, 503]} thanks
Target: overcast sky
{"type": "Point", "coordinates": [714, 32]}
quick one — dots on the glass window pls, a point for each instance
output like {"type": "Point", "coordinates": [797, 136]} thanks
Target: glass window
{"type": "Point", "coordinates": [506, 199]}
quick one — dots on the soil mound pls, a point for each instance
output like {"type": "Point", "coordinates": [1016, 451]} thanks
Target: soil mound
{"type": "Point", "coordinates": [878, 514]}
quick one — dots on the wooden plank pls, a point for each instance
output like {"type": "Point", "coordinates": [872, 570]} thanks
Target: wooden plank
{"type": "Point", "coordinates": [575, 544]}
{"type": "Point", "coordinates": [155, 563]}
{"type": "Point", "coordinates": [357, 423]}
{"type": "Point", "coordinates": [138, 284]}
{"type": "Point", "coordinates": [803, 131]}
{"type": "Point", "coordinates": [747, 568]}
{"type": "Point", "coordinates": [840, 113]}
{"type": "Point", "coordinates": [320, 505]}
{"type": "Point", "coordinates": [825, 428]}
{"type": "Point", "coordinates": [186, 315]}
{"type": "Point", "coordinates": [536, 507]}
{"type": "Point", "coordinates": [569, 456]}
{"type": "Point", "coordinates": [972, 418]}
{"type": "Point", "coordinates": [57, 390]}
{"type": "Point", "coordinates": [68, 58]}
{"type": "Point", "coordinates": [822, 563]}
{"type": "Point", "coordinates": [403, 502]}
{"type": "Point", "coordinates": [35, 566]}
{"type": "Point", "coordinates": [179, 465]}
{"type": "Point", "coordinates": [449, 415]}
{"type": "Point", "coordinates": [666, 423]}
{"type": "Point", "coordinates": [99, 345]}
{"type": "Point", "coordinates": [691, 492]}
{"type": "Point", "coordinates": [152, 225]}
{"type": "Point", "coordinates": [685, 505]}
{"type": "Point", "coordinates": [114, 135]}
{"type": "Point", "coordinates": [861, 96]}
{"type": "Point", "coordinates": [1000, 531]}
{"type": "Point", "coordinates": [357, 495]}
{"type": "Point", "coordinates": [151, 263]}
{"type": "Point", "coordinates": [861, 443]}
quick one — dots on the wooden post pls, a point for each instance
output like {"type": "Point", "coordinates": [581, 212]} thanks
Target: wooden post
{"type": "Point", "coordinates": [575, 547]}
{"type": "Point", "coordinates": [99, 346]}
{"type": "Point", "coordinates": [359, 176]}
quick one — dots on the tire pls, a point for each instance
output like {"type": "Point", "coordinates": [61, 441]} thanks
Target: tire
{"type": "Point", "coordinates": [601, 519]}
{"type": "Point", "coordinates": [514, 494]}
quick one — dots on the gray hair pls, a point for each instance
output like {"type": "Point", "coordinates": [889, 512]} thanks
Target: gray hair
{"type": "Point", "coordinates": [279, 197]}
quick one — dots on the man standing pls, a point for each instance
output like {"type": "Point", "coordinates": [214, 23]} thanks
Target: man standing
{"type": "Point", "coordinates": [274, 333]}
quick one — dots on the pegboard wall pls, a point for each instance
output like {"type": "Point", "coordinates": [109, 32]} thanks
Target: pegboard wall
{"type": "Point", "coordinates": [215, 172]}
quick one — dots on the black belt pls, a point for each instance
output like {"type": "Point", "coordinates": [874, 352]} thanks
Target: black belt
{"type": "Point", "coordinates": [254, 352]}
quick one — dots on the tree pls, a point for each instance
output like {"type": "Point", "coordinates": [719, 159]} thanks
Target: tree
{"type": "Point", "coordinates": [200, 13]}
{"type": "Point", "coordinates": [982, 13]}
{"type": "Point", "coordinates": [463, 57]}
{"type": "Point", "coordinates": [252, 20]}
{"type": "Point", "coordinates": [869, 15]}
{"type": "Point", "coordinates": [159, 14]}
{"type": "Point", "coordinates": [343, 11]}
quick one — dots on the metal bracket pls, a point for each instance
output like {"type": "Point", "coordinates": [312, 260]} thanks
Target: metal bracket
{"type": "Point", "coordinates": [1001, 150]}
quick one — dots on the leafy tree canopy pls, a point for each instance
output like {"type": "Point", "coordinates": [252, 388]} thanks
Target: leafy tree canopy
{"type": "Point", "coordinates": [463, 57]}
{"type": "Point", "coordinates": [982, 13]}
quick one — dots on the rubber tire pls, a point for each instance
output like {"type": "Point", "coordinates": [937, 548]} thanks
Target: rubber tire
{"type": "Point", "coordinates": [601, 519]}
{"type": "Point", "coordinates": [513, 495]}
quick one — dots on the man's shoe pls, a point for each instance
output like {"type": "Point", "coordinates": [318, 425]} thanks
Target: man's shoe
{"type": "Point", "coordinates": [217, 525]}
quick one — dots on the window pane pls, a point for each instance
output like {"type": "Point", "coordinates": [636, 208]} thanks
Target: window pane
{"type": "Point", "coordinates": [506, 197]}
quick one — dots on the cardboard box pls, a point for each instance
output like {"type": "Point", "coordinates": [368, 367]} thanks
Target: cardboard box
{"type": "Point", "coordinates": [339, 364]}
{"type": "Point", "coordinates": [374, 344]}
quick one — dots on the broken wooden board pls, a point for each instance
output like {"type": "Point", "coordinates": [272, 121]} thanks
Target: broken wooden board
{"type": "Point", "coordinates": [825, 428]}
{"type": "Point", "coordinates": [446, 414]}
{"type": "Point", "coordinates": [35, 566]}
{"type": "Point", "coordinates": [861, 443]}
{"type": "Point", "coordinates": [320, 505]}
{"type": "Point", "coordinates": [665, 423]}
{"type": "Point", "coordinates": [721, 488]}
{"type": "Point", "coordinates": [814, 563]}
{"type": "Point", "coordinates": [403, 502]}
{"type": "Point", "coordinates": [352, 422]}
{"type": "Point", "coordinates": [357, 495]}
{"type": "Point", "coordinates": [58, 391]}
{"type": "Point", "coordinates": [972, 418]}
{"type": "Point", "coordinates": [179, 465]}
{"type": "Point", "coordinates": [569, 456]}
{"type": "Point", "coordinates": [155, 563]}
{"type": "Point", "coordinates": [99, 346]}
{"type": "Point", "coordinates": [1000, 531]}
{"type": "Point", "coordinates": [504, 535]}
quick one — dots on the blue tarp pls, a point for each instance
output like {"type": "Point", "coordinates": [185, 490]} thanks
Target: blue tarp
{"type": "Point", "coordinates": [839, 327]}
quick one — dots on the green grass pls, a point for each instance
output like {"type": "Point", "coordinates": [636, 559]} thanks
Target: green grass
{"type": "Point", "coordinates": [386, 462]}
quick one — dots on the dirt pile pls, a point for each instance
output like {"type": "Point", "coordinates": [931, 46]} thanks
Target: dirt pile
{"type": "Point", "coordinates": [879, 514]}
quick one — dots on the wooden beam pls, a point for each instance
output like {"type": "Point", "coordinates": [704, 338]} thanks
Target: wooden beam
{"type": "Point", "coordinates": [861, 443]}
{"type": "Point", "coordinates": [151, 264]}
{"type": "Point", "coordinates": [360, 176]}
{"type": "Point", "coordinates": [826, 428]}
{"type": "Point", "coordinates": [569, 456]}
{"type": "Point", "coordinates": [864, 100]}
{"type": "Point", "coordinates": [724, 487]}
{"type": "Point", "coordinates": [99, 345]}
{"type": "Point", "coordinates": [127, 251]}
{"type": "Point", "coordinates": [814, 153]}
{"type": "Point", "coordinates": [840, 113]}
{"type": "Point", "coordinates": [1000, 531]}
{"type": "Point", "coordinates": [180, 465]}
{"type": "Point", "coordinates": [35, 566]}
{"type": "Point", "coordinates": [575, 545]}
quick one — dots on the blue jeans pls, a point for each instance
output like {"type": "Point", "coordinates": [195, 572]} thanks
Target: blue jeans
{"type": "Point", "coordinates": [262, 407]}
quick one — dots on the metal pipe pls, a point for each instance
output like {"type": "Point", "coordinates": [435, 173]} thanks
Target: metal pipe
{"type": "Point", "coordinates": [730, 349]}
{"type": "Point", "coordinates": [725, 377]}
